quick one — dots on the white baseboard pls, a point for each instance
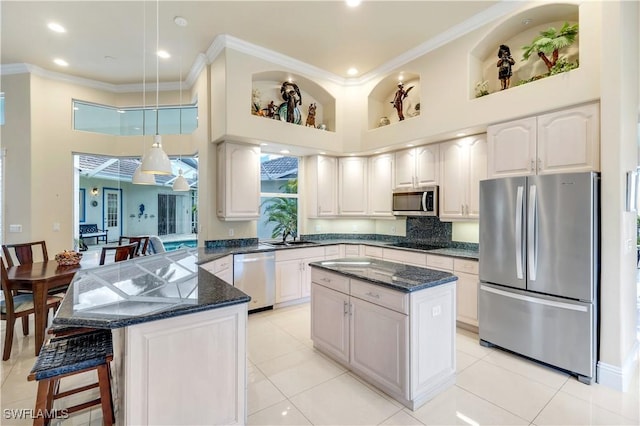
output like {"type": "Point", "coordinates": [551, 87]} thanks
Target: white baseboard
{"type": "Point", "coordinates": [619, 378]}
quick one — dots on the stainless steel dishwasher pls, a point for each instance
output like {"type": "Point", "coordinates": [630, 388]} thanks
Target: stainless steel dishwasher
{"type": "Point", "coordinates": [255, 274]}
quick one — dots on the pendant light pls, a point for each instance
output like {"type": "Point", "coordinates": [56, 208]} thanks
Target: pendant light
{"type": "Point", "coordinates": [156, 161]}
{"type": "Point", "coordinates": [180, 184]}
{"type": "Point", "coordinates": [140, 178]}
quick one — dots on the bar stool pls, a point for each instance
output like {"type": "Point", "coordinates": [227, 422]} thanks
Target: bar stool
{"type": "Point", "coordinates": [70, 355]}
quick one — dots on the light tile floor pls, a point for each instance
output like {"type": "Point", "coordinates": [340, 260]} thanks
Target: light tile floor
{"type": "Point", "coordinates": [291, 383]}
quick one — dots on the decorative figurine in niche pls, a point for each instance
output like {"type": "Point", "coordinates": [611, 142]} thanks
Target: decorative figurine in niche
{"type": "Point", "coordinates": [288, 110]}
{"type": "Point", "coordinates": [400, 96]}
{"type": "Point", "coordinates": [311, 116]}
{"type": "Point", "coordinates": [384, 121]}
{"type": "Point", "coordinates": [505, 62]}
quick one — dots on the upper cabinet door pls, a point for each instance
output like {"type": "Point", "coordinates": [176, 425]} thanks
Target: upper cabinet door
{"type": "Point", "coordinates": [477, 172]}
{"type": "Point", "coordinates": [427, 161]}
{"type": "Point", "coordinates": [568, 140]}
{"type": "Point", "coordinates": [453, 169]}
{"type": "Point", "coordinates": [512, 148]}
{"type": "Point", "coordinates": [322, 186]}
{"type": "Point", "coordinates": [381, 185]}
{"type": "Point", "coordinates": [405, 168]}
{"type": "Point", "coordinates": [352, 190]}
{"type": "Point", "coordinates": [238, 181]}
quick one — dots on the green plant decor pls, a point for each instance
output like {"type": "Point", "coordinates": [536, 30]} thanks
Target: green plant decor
{"type": "Point", "coordinates": [283, 212]}
{"type": "Point", "coordinates": [482, 89]}
{"type": "Point", "coordinates": [547, 46]}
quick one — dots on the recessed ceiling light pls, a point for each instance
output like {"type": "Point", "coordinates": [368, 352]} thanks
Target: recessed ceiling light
{"type": "Point", "coordinates": [322, 152]}
{"type": "Point", "coordinates": [352, 71]}
{"type": "Point", "coordinates": [53, 26]}
{"type": "Point", "coordinates": [410, 145]}
{"type": "Point", "coordinates": [353, 3]}
{"type": "Point", "coordinates": [284, 151]}
{"type": "Point", "coordinates": [263, 144]}
{"type": "Point", "coordinates": [461, 134]}
{"type": "Point", "coordinates": [164, 54]}
{"type": "Point", "coordinates": [61, 62]}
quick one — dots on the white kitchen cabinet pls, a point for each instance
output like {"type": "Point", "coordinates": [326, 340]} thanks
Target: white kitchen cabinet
{"type": "Point", "coordinates": [381, 185]}
{"type": "Point", "coordinates": [405, 256]}
{"type": "Point", "coordinates": [322, 186]}
{"type": "Point", "coordinates": [293, 274]}
{"type": "Point", "coordinates": [332, 332]}
{"type": "Point", "coordinates": [373, 251]}
{"type": "Point", "coordinates": [352, 186]}
{"type": "Point", "coordinates": [238, 175]}
{"type": "Point", "coordinates": [378, 344]}
{"type": "Point", "coordinates": [404, 343]}
{"type": "Point", "coordinates": [221, 268]}
{"type": "Point", "coordinates": [568, 140]}
{"type": "Point", "coordinates": [417, 167]}
{"type": "Point", "coordinates": [466, 287]}
{"type": "Point", "coordinates": [463, 164]}
{"type": "Point", "coordinates": [352, 250]}
{"type": "Point", "coordinates": [557, 142]}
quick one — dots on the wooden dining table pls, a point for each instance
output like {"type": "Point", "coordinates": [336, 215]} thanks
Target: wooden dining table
{"type": "Point", "coordinates": [40, 278]}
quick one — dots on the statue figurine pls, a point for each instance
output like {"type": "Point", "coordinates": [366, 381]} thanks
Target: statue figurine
{"type": "Point", "coordinates": [270, 110]}
{"type": "Point", "coordinates": [400, 95]}
{"type": "Point", "coordinates": [311, 116]}
{"type": "Point", "coordinates": [505, 62]}
{"type": "Point", "coordinates": [292, 98]}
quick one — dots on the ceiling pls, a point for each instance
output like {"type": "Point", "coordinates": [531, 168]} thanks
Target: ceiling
{"type": "Point", "coordinates": [105, 40]}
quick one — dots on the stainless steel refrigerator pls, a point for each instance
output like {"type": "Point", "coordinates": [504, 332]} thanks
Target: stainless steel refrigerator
{"type": "Point", "coordinates": [539, 268]}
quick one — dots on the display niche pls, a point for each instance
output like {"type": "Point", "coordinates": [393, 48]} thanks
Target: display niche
{"type": "Point", "coordinates": [295, 100]}
{"type": "Point", "coordinates": [394, 99]}
{"type": "Point", "coordinates": [502, 60]}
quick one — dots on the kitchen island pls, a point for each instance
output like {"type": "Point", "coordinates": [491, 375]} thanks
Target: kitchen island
{"type": "Point", "coordinates": [392, 324]}
{"type": "Point", "coordinates": [179, 338]}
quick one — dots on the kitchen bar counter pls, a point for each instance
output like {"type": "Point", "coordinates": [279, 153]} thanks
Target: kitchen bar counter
{"type": "Point", "coordinates": [145, 289]}
{"type": "Point", "coordinates": [179, 338]}
{"type": "Point", "coordinates": [398, 276]}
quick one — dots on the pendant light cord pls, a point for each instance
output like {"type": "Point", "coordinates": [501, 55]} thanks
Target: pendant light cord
{"type": "Point", "coordinates": [144, 75]}
{"type": "Point", "coordinates": [157, 62]}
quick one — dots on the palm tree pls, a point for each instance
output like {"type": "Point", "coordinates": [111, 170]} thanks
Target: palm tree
{"type": "Point", "coordinates": [549, 42]}
{"type": "Point", "coordinates": [283, 212]}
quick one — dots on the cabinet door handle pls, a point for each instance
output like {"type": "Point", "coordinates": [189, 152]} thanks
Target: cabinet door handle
{"type": "Point", "coordinates": [326, 280]}
{"type": "Point", "coordinates": [539, 164]}
{"type": "Point", "coordinates": [462, 209]}
{"type": "Point", "coordinates": [346, 307]}
{"type": "Point", "coordinates": [377, 296]}
{"type": "Point", "coordinates": [533, 165]}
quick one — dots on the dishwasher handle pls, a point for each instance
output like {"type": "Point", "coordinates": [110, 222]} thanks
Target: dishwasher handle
{"type": "Point", "coordinates": [243, 259]}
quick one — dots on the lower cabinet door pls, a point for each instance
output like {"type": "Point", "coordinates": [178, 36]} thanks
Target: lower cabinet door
{"type": "Point", "coordinates": [379, 345]}
{"type": "Point", "coordinates": [330, 321]}
{"type": "Point", "coordinates": [288, 280]}
{"type": "Point", "coordinates": [467, 298]}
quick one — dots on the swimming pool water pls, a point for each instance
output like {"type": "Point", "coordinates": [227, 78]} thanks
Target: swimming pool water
{"type": "Point", "coordinates": [175, 245]}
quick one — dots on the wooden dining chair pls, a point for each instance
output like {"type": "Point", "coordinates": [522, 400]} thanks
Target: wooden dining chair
{"type": "Point", "coordinates": [23, 252]}
{"type": "Point", "coordinates": [123, 252]}
{"type": "Point", "coordinates": [143, 243]}
{"type": "Point", "coordinates": [16, 306]}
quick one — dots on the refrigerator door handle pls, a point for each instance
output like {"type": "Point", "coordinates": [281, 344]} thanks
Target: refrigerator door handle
{"type": "Point", "coordinates": [532, 234]}
{"type": "Point", "coordinates": [536, 300]}
{"type": "Point", "coordinates": [519, 211]}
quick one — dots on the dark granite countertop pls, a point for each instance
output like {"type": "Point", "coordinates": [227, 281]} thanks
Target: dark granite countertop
{"type": "Point", "coordinates": [398, 276]}
{"type": "Point", "coordinates": [144, 289]}
{"type": "Point", "coordinates": [208, 254]}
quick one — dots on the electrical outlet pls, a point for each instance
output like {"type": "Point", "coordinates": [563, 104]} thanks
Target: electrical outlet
{"type": "Point", "coordinates": [393, 229]}
{"type": "Point", "coordinates": [317, 228]}
{"type": "Point", "coordinates": [15, 228]}
{"type": "Point", "coordinates": [56, 226]}
{"type": "Point", "coordinates": [436, 310]}
{"type": "Point", "coordinates": [231, 232]}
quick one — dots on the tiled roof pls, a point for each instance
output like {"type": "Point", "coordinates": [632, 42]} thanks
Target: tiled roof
{"type": "Point", "coordinates": [279, 168]}
{"type": "Point", "coordinates": [122, 169]}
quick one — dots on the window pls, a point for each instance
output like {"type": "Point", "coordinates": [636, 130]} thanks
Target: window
{"type": "Point", "coordinates": [1, 109]}
{"type": "Point", "coordinates": [110, 120]}
{"type": "Point", "coordinates": [279, 198]}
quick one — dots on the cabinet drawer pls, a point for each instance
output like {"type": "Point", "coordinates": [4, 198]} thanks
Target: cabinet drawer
{"type": "Point", "coordinates": [468, 266]}
{"type": "Point", "coordinates": [370, 251]}
{"type": "Point", "coordinates": [329, 279]}
{"type": "Point", "coordinates": [440, 262]}
{"type": "Point", "coordinates": [302, 253]}
{"type": "Point", "coordinates": [352, 250]}
{"type": "Point", "coordinates": [404, 256]}
{"type": "Point", "coordinates": [382, 296]}
{"type": "Point", "coordinates": [332, 250]}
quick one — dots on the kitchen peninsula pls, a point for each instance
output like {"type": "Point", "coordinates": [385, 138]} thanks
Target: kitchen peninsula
{"type": "Point", "coordinates": [179, 338]}
{"type": "Point", "coordinates": [390, 323]}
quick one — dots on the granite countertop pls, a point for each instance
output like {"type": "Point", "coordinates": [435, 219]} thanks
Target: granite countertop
{"type": "Point", "coordinates": [144, 289]}
{"type": "Point", "coordinates": [208, 254]}
{"type": "Point", "coordinates": [398, 276]}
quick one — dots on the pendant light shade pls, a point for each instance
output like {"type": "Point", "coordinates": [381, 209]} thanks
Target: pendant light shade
{"type": "Point", "coordinates": [140, 178]}
{"type": "Point", "coordinates": [181, 184]}
{"type": "Point", "coordinates": [155, 160]}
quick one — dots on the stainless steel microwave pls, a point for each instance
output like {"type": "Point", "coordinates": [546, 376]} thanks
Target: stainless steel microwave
{"type": "Point", "coordinates": [416, 202]}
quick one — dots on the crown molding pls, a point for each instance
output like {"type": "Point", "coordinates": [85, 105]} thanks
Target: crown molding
{"type": "Point", "coordinates": [225, 41]}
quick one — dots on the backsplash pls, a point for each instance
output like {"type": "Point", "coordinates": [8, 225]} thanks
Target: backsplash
{"type": "Point", "coordinates": [428, 230]}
